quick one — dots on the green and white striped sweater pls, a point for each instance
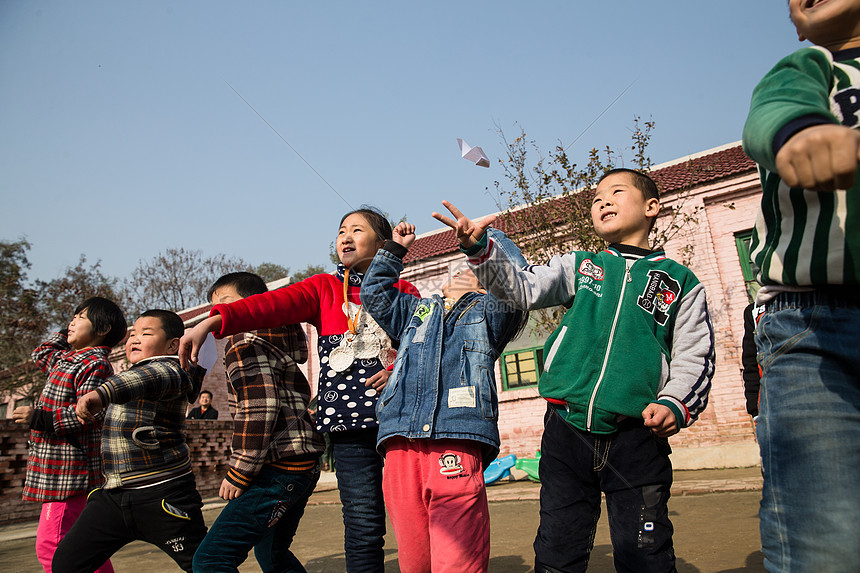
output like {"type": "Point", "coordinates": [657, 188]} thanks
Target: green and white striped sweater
{"type": "Point", "coordinates": [802, 237]}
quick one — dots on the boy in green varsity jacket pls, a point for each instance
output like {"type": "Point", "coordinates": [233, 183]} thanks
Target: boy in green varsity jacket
{"type": "Point", "coordinates": [803, 130]}
{"type": "Point", "coordinates": [275, 461]}
{"type": "Point", "coordinates": [149, 492]}
{"type": "Point", "coordinates": [630, 365]}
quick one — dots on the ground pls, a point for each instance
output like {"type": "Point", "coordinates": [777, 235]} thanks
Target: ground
{"type": "Point", "coordinates": [714, 532]}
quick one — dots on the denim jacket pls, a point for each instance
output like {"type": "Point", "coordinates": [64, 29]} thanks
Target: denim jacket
{"type": "Point", "coordinates": [443, 382]}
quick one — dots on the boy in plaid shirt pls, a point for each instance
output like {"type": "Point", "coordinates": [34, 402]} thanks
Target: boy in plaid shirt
{"type": "Point", "coordinates": [150, 492]}
{"type": "Point", "coordinates": [275, 462]}
{"type": "Point", "coordinates": [64, 462]}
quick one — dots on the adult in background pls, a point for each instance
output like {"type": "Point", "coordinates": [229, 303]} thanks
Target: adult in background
{"type": "Point", "coordinates": [204, 411]}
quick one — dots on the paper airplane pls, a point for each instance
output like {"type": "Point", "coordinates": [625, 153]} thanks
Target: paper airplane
{"type": "Point", "coordinates": [208, 354]}
{"type": "Point", "coordinates": [474, 154]}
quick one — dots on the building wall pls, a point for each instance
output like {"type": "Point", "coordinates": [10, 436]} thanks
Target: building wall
{"type": "Point", "coordinates": [724, 434]}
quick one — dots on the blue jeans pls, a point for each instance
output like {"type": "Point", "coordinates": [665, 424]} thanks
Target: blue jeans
{"type": "Point", "coordinates": [265, 518]}
{"type": "Point", "coordinates": [809, 431]}
{"type": "Point", "coordinates": [359, 478]}
{"type": "Point", "coordinates": [631, 466]}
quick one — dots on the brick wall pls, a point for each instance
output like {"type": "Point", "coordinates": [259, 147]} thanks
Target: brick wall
{"type": "Point", "coordinates": [729, 207]}
{"type": "Point", "coordinates": [209, 441]}
{"type": "Point", "coordinates": [13, 467]}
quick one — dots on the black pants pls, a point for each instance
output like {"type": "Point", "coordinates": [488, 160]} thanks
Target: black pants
{"type": "Point", "coordinates": [632, 467]}
{"type": "Point", "coordinates": [168, 515]}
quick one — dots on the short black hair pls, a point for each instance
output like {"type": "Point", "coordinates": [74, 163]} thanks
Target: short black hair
{"type": "Point", "coordinates": [376, 219]}
{"type": "Point", "coordinates": [205, 392]}
{"type": "Point", "coordinates": [640, 180]}
{"type": "Point", "coordinates": [170, 322]}
{"type": "Point", "coordinates": [245, 283]}
{"type": "Point", "coordinates": [107, 318]}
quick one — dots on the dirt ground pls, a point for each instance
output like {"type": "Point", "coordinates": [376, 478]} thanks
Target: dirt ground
{"type": "Point", "coordinates": [714, 533]}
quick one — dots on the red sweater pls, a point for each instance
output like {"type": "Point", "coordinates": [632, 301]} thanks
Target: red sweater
{"type": "Point", "coordinates": [344, 402]}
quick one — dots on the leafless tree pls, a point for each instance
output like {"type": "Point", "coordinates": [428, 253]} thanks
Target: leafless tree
{"type": "Point", "coordinates": [176, 279]}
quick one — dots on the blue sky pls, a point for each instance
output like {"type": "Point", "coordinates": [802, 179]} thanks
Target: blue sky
{"type": "Point", "coordinates": [119, 136]}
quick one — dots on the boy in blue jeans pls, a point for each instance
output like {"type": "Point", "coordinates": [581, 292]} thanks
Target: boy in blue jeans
{"type": "Point", "coordinates": [802, 130]}
{"type": "Point", "coordinates": [629, 366]}
{"type": "Point", "coordinates": [275, 461]}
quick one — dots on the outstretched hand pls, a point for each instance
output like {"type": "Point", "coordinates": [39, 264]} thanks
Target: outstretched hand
{"type": "Point", "coordinates": [820, 158]}
{"type": "Point", "coordinates": [192, 340]}
{"type": "Point", "coordinates": [468, 231]}
{"type": "Point", "coordinates": [404, 234]}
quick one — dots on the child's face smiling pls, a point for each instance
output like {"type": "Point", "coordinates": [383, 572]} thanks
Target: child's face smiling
{"type": "Point", "coordinates": [357, 243]}
{"type": "Point", "coordinates": [620, 213]}
{"type": "Point", "coordinates": [81, 332]}
{"type": "Point", "coordinates": [833, 24]}
{"type": "Point", "coordinates": [148, 339]}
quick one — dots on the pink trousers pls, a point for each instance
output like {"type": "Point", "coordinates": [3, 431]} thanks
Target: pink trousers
{"type": "Point", "coordinates": [437, 502]}
{"type": "Point", "coordinates": [55, 521]}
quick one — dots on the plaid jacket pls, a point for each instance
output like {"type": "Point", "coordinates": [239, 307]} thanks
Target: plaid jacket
{"type": "Point", "coordinates": [63, 460]}
{"type": "Point", "coordinates": [142, 440]}
{"type": "Point", "coordinates": [269, 400]}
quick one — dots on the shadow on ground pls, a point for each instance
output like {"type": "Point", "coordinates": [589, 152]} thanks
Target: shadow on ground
{"type": "Point", "coordinates": [509, 564]}
{"type": "Point", "coordinates": [337, 562]}
{"type": "Point", "coordinates": [755, 562]}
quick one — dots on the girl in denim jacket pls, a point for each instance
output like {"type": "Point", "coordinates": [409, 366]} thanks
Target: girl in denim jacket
{"type": "Point", "coordinates": [438, 415]}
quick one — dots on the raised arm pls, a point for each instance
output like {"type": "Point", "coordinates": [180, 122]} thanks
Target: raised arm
{"type": "Point", "coordinates": [49, 352]}
{"type": "Point", "coordinates": [65, 420]}
{"type": "Point", "coordinates": [299, 302]}
{"type": "Point", "coordinates": [192, 340]}
{"type": "Point", "coordinates": [389, 307]}
{"type": "Point", "coordinates": [88, 375]}
{"type": "Point", "coordinates": [468, 231]}
{"type": "Point", "coordinates": [158, 380]}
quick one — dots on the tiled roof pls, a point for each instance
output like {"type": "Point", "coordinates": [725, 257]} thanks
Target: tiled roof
{"type": "Point", "coordinates": [431, 245]}
{"type": "Point", "coordinates": [706, 168]}
{"type": "Point", "coordinates": [675, 176]}
{"type": "Point", "coordinates": [189, 313]}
